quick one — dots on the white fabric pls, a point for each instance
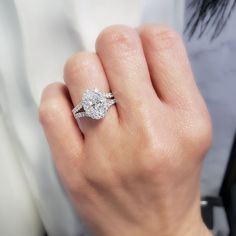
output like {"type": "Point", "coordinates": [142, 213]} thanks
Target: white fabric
{"type": "Point", "coordinates": [16, 205]}
{"type": "Point", "coordinates": [36, 38]}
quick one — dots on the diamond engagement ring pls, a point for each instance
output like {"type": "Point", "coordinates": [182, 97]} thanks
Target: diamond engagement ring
{"type": "Point", "coordinates": [94, 104]}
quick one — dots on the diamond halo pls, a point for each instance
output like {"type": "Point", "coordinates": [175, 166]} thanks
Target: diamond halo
{"type": "Point", "coordinates": [94, 104]}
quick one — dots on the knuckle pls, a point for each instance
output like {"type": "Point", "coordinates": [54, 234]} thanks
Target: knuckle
{"type": "Point", "coordinates": [155, 154]}
{"type": "Point", "coordinates": [77, 64]}
{"type": "Point", "coordinates": [74, 182]}
{"type": "Point", "coordinates": [78, 188]}
{"type": "Point", "coordinates": [199, 133]}
{"type": "Point", "coordinates": [205, 131]}
{"type": "Point", "coordinates": [161, 37]}
{"type": "Point", "coordinates": [102, 182]}
{"type": "Point", "coordinates": [122, 36]}
{"type": "Point", "coordinates": [156, 159]}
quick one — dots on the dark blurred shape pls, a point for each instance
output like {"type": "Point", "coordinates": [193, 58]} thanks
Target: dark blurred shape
{"type": "Point", "coordinates": [228, 190]}
{"type": "Point", "coordinates": [209, 16]}
{"type": "Point", "coordinates": [232, 211]}
{"type": "Point", "coordinates": [207, 207]}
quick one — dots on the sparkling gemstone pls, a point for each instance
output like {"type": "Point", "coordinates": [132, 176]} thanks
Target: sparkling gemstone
{"type": "Point", "coordinates": [94, 104]}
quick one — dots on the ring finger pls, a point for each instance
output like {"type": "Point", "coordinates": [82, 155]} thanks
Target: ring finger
{"type": "Point", "coordinates": [84, 71]}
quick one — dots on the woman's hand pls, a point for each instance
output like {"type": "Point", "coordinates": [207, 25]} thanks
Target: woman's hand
{"type": "Point", "coordinates": [136, 171]}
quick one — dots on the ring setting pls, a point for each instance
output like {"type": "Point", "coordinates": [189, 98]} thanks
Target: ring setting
{"type": "Point", "coordinates": [94, 104]}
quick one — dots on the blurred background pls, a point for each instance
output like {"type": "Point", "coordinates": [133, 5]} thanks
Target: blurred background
{"type": "Point", "coordinates": [36, 39]}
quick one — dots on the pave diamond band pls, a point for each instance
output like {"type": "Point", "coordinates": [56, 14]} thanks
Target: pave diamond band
{"type": "Point", "coordinates": [94, 104]}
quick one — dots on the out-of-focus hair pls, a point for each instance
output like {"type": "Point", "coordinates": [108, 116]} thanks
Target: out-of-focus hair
{"type": "Point", "coordinates": [209, 16]}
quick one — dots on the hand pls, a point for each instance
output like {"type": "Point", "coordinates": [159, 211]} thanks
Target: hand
{"type": "Point", "coordinates": [136, 171]}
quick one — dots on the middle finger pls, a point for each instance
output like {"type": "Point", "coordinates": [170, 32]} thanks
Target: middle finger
{"type": "Point", "coordinates": [121, 53]}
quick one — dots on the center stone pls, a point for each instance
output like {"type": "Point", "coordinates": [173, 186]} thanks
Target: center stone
{"type": "Point", "coordinates": [94, 104]}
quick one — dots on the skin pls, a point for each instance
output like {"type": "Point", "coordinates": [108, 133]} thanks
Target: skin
{"type": "Point", "coordinates": [135, 172]}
